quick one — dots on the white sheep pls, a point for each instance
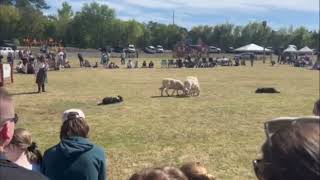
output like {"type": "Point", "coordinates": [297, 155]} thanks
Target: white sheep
{"type": "Point", "coordinates": [192, 85]}
{"type": "Point", "coordinates": [175, 84]}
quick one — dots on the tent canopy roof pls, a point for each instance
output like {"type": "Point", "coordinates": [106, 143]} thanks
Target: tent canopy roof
{"type": "Point", "coordinates": [252, 48]}
{"type": "Point", "coordinates": [306, 49]}
{"type": "Point", "coordinates": [290, 49]}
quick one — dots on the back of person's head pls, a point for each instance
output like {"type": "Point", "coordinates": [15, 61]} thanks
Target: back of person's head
{"type": "Point", "coordinates": [165, 173]}
{"type": "Point", "coordinates": [120, 98]}
{"type": "Point", "coordinates": [7, 118]}
{"type": "Point", "coordinates": [196, 171]}
{"type": "Point", "coordinates": [316, 108]}
{"type": "Point", "coordinates": [294, 153]}
{"type": "Point", "coordinates": [74, 124]}
{"type": "Point", "coordinates": [23, 141]}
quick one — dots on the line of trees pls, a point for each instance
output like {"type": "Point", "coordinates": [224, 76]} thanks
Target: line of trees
{"type": "Point", "coordinates": [96, 25]}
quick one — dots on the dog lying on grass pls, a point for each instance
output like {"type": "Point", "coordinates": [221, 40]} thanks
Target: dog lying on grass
{"type": "Point", "coordinates": [267, 90]}
{"type": "Point", "coordinates": [111, 100]}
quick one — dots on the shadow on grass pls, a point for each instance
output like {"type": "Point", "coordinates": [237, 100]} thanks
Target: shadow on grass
{"type": "Point", "coordinates": [24, 93]}
{"type": "Point", "coordinates": [169, 96]}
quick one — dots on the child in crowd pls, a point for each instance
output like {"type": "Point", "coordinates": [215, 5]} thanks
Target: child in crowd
{"type": "Point", "coordinates": [195, 171]}
{"type": "Point", "coordinates": [165, 173]}
{"type": "Point", "coordinates": [23, 151]}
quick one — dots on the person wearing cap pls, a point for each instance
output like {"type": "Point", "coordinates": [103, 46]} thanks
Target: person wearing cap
{"type": "Point", "coordinates": [75, 157]}
{"type": "Point", "coordinates": [8, 119]}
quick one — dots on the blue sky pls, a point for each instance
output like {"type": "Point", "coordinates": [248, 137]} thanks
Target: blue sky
{"type": "Point", "coordinates": [188, 13]}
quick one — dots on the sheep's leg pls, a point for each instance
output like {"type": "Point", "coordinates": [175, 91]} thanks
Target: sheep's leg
{"type": "Point", "coordinates": [167, 92]}
{"type": "Point", "coordinates": [161, 89]}
{"type": "Point", "coordinates": [174, 90]}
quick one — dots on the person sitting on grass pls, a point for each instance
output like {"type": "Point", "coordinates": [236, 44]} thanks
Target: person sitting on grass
{"type": "Point", "coordinates": [291, 151]}
{"type": "Point", "coordinates": [151, 65]}
{"type": "Point", "coordinates": [96, 65]}
{"type": "Point", "coordinates": [20, 67]}
{"type": "Point", "coordinates": [87, 63]}
{"type": "Point", "coordinates": [112, 65]}
{"type": "Point", "coordinates": [23, 151]}
{"type": "Point", "coordinates": [144, 64]}
{"type": "Point", "coordinates": [129, 65]}
{"type": "Point", "coordinates": [136, 64]}
{"type": "Point", "coordinates": [74, 157]}
{"type": "Point", "coordinates": [67, 64]}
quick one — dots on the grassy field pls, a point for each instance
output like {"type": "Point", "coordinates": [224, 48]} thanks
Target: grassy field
{"type": "Point", "coordinates": [223, 128]}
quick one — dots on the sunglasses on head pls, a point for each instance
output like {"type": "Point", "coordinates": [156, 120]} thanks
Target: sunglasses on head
{"type": "Point", "coordinates": [272, 127]}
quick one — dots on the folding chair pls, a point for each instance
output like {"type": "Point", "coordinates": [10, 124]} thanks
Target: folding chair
{"type": "Point", "coordinates": [164, 63]}
{"type": "Point", "coordinates": [171, 63]}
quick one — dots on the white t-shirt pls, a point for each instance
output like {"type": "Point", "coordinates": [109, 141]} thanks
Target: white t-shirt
{"type": "Point", "coordinates": [33, 167]}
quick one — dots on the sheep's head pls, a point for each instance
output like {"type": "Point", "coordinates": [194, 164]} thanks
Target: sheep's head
{"type": "Point", "coordinates": [186, 91]}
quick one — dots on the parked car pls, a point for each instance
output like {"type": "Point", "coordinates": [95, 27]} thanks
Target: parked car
{"type": "Point", "coordinates": [44, 49]}
{"type": "Point", "coordinates": [131, 48]}
{"type": "Point", "coordinates": [5, 50]}
{"type": "Point", "coordinates": [245, 55]}
{"type": "Point", "coordinates": [160, 49]}
{"type": "Point", "coordinates": [117, 49]}
{"type": "Point", "coordinates": [150, 49]}
{"type": "Point", "coordinates": [8, 43]}
{"type": "Point", "coordinates": [230, 50]}
{"type": "Point", "coordinates": [213, 49]}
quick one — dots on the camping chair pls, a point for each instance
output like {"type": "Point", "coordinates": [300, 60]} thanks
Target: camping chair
{"type": "Point", "coordinates": [179, 63]}
{"type": "Point", "coordinates": [164, 63]}
{"type": "Point", "coordinates": [171, 63]}
{"type": "Point", "coordinates": [204, 63]}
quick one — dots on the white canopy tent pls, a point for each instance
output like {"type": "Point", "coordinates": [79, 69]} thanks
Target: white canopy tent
{"type": "Point", "coordinates": [290, 49]}
{"type": "Point", "coordinates": [306, 50]}
{"type": "Point", "coordinates": [252, 48]}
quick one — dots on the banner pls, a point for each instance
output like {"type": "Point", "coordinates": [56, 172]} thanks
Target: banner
{"type": "Point", "coordinates": [6, 68]}
{"type": "Point", "coordinates": [6, 74]}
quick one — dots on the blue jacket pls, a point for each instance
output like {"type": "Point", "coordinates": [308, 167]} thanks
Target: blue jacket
{"type": "Point", "coordinates": [74, 158]}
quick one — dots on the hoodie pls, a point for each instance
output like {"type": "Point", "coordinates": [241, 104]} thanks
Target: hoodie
{"type": "Point", "coordinates": [74, 158]}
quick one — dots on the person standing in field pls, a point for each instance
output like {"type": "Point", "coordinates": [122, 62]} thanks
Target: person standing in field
{"type": "Point", "coordinates": [81, 59]}
{"type": "Point", "coordinates": [123, 57]}
{"type": "Point", "coordinates": [41, 74]}
{"type": "Point", "coordinates": [10, 58]}
{"type": "Point", "coordinates": [251, 59]}
{"type": "Point", "coordinates": [1, 57]}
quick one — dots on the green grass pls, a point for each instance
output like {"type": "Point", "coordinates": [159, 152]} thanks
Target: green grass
{"type": "Point", "coordinates": [223, 128]}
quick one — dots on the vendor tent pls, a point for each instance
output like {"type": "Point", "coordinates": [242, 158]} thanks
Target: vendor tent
{"type": "Point", "coordinates": [290, 49]}
{"type": "Point", "coordinates": [306, 50]}
{"type": "Point", "coordinates": [252, 48]}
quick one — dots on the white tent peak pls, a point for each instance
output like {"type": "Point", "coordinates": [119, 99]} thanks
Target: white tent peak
{"type": "Point", "coordinates": [290, 49]}
{"type": "Point", "coordinates": [306, 49]}
{"type": "Point", "coordinates": [252, 48]}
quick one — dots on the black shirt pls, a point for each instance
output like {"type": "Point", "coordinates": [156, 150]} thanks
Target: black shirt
{"type": "Point", "coordinates": [11, 171]}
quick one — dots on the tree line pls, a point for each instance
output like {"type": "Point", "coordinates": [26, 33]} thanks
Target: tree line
{"type": "Point", "coordinates": [96, 26]}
